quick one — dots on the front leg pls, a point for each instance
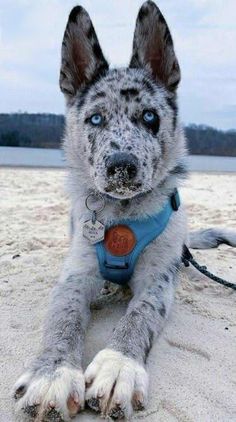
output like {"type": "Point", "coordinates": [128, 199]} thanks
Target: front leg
{"type": "Point", "coordinates": [117, 379]}
{"type": "Point", "coordinates": [53, 387]}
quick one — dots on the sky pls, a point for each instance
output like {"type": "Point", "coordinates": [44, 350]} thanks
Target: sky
{"type": "Point", "coordinates": [204, 32]}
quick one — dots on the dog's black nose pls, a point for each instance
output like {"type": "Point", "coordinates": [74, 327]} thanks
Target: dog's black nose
{"type": "Point", "coordinates": [122, 165]}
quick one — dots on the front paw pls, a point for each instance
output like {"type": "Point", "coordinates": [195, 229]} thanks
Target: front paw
{"type": "Point", "coordinates": [116, 385]}
{"type": "Point", "coordinates": [57, 395]}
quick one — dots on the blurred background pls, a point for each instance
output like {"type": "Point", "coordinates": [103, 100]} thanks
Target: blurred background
{"type": "Point", "coordinates": [32, 106]}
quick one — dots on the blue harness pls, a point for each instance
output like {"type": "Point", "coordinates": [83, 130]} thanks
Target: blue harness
{"type": "Point", "coordinates": [119, 269]}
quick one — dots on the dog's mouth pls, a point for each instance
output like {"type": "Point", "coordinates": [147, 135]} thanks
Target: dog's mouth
{"type": "Point", "coordinates": [120, 188]}
{"type": "Point", "coordinates": [123, 190]}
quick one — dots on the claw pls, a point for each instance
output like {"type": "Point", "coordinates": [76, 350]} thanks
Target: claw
{"type": "Point", "coordinates": [73, 404]}
{"type": "Point", "coordinates": [138, 401]}
{"type": "Point", "coordinates": [75, 397]}
{"type": "Point", "coordinates": [52, 404]}
{"type": "Point", "coordinates": [88, 383]}
{"type": "Point", "coordinates": [20, 392]}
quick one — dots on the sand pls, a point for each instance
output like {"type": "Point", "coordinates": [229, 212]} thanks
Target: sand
{"type": "Point", "coordinates": [192, 366]}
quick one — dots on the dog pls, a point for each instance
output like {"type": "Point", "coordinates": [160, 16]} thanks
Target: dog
{"type": "Point", "coordinates": [126, 156]}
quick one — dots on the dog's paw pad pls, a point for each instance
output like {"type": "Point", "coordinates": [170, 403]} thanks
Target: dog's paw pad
{"type": "Point", "coordinates": [53, 416]}
{"type": "Point", "coordinates": [31, 410]}
{"type": "Point", "coordinates": [94, 404]}
{"type": "Point", "coordinates": [117, 412]}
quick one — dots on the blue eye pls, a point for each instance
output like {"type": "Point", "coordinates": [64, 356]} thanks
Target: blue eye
{"type": "Point", "coordinates": [96, 119]}
{"type": "Point", "coordinates": [149, 117]}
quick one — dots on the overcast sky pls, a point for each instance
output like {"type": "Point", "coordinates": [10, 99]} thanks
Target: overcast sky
{"type": "Point", "coordinates": [205, 39]}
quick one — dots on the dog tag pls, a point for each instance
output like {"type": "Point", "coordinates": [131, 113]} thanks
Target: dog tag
{"type": "Point", "coordinates": [93, 231]}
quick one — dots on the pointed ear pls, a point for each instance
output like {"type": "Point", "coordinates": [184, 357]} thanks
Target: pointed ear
{"type": "Point", "coordinates": [153, 46]}
{"type": "Point", "coordinates": [82, 59]}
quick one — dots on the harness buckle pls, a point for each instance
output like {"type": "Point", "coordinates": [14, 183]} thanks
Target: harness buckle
{"type": "Point", "coordinates": [116, 267]}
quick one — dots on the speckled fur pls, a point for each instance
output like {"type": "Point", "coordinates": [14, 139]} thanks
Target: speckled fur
{"type": "Point", "coordinates": [117, 381]}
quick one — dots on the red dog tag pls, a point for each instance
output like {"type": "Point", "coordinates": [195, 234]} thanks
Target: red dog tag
{"type": "Point", "coordinates": [119, 240]}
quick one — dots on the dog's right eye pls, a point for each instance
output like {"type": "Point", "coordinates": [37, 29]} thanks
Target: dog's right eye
{"type": "Point", "coordinates": [96, 119]}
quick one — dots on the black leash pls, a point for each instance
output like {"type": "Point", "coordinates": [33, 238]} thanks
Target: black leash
{"type": "Point", "coordinates": [187, 259]}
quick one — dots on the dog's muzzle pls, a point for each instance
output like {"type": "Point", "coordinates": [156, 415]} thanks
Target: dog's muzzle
{"type": "Point", "coordinates": [122, 168]}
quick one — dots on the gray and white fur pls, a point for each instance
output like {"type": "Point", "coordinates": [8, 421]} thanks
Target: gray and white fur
{"type": "Point", "coordinates": [136, 165]}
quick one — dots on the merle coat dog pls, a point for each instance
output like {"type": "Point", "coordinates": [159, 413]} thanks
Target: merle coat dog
{"type": "Point", "coordinates": [123, 140]}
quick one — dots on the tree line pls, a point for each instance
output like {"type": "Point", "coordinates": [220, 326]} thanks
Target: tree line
{"type": "Point", "coordinates": [46, 131]}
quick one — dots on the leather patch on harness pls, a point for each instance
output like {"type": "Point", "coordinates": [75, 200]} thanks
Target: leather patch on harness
{"type": "Point", "coordinates": [119, 240]}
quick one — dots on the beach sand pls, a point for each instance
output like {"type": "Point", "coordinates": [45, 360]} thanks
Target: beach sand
{"type": "Point", "coordinates": [193, 364]}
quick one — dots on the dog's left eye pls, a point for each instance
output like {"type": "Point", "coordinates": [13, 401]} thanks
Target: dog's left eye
{"type": "Point", "coordinates": [96, 119]}
{"type": "Point", "coordinates": [149, 117]}
{"type": "Point", "coordinates": [151, 121]}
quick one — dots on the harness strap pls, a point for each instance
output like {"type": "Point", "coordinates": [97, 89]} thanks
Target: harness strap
{"type": "Point", "coordinates": [119, 268]}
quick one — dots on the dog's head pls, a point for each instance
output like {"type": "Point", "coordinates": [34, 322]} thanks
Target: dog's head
{"type": "Point", "coordinates": [121, 133]}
